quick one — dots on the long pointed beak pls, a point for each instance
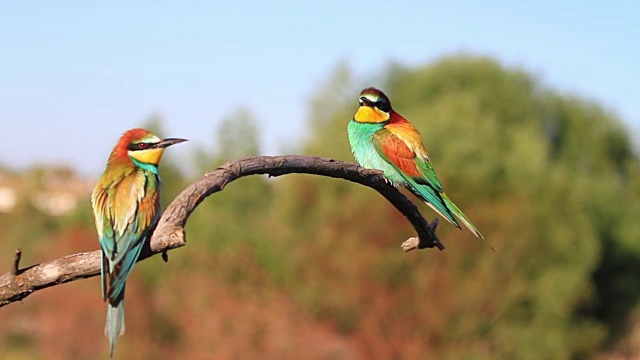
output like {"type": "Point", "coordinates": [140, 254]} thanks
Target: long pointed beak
{"type": "Point", "coordinates": [168, 142]}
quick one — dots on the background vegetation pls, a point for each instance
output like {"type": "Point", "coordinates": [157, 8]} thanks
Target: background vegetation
{"type": "Point", "coordinates": [305, 267]}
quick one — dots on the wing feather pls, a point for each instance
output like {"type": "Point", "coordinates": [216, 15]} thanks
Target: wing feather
{"type": "Point", "coordinates": [125, 210]}
{"type": "Point", "coordinates": [402, 148]}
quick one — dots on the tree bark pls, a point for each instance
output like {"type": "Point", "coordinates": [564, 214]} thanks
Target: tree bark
{"type": "Point", "coordinates": [169, 233]}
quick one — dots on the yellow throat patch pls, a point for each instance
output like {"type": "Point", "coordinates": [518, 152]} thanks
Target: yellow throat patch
{"type": "Point", "coordinates": [149, 156]}
{"type": "Point", "coordinates": [367, 114]}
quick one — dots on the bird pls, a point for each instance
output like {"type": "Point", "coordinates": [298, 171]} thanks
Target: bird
{"type": "Point", "coordinates": [126, 208]}
{"type": "Point", "coordinates": [384, 140]}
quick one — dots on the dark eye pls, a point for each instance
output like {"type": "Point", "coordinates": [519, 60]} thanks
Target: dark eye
{"type": "Point", "coordinates": [383, 105]}
{"type": "Point", "coordinates": [137, 146]}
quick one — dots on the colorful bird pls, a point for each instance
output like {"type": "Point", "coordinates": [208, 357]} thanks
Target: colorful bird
{"type": "Point", "coordinates": [126, 207]}
{"type": "Point", "coordinates": [382, 139]}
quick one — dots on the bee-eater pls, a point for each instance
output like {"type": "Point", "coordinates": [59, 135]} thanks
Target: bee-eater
{"type": "Point", "coordinates": [126, 207]}
{"type": "Point", "coordinates": [382, 139]}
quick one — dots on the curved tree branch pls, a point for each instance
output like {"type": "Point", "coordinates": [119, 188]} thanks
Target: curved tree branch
{"type": "Point", "coordinates": [170, 234]}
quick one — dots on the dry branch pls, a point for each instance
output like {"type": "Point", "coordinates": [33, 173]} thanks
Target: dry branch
{"type": "Point", "coordinates": [169, 234]}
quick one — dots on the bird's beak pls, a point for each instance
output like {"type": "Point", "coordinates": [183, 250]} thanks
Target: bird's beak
{"type": "Point", "coordinates": [366, 102]}
{"type": "Point", "coordinates": [168, 142]}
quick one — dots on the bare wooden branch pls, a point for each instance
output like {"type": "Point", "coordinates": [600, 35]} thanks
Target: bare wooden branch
{"type": "Point", "coordinates": [170, 234]}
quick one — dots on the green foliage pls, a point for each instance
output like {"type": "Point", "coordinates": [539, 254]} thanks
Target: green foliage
{"type": "Point", "coordinates": [543, 175]}
{"type": "Point", "coordinates": [236, 215]}
{"type": "Point", "coordinates": [237, 136]}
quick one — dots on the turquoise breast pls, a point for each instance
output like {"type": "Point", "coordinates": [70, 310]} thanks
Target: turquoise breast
{"type": "Point", "coordinates": [366, 155]}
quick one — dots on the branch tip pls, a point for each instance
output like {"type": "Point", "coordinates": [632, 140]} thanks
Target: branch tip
{"type": "Point", "coordinates": [410, 244]}
{"type": "Point", "coordinates": [16, 262]}
{"type": "Point", "coordinates": [434, 224]}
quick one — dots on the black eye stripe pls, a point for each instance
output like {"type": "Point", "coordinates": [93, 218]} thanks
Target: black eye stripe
{"type": "Point", "coordinates": [383, 105]}
{"type": "Point", "coordinates": [139, 146]}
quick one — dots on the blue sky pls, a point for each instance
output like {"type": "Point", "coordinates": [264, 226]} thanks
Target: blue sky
{"type": "Point", "coordinates": [74, 75]}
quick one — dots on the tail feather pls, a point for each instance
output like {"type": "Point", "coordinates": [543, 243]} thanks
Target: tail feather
{"type": "Point", "coordinates": [114, 326]}
{"type": "Point", "coordinates": [464, 219]}
{"type": "Point", "coordinates": [433, 198]}
{"type": "Point", "coordinates": [461, 216]}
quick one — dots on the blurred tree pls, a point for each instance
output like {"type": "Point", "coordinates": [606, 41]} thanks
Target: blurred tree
{"type": "Point", "coordinates": [542, 175]}
{"type": "Point", "coordinates": [220, 221]}
{"type": "Point", "coordinates": [236, 136]}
